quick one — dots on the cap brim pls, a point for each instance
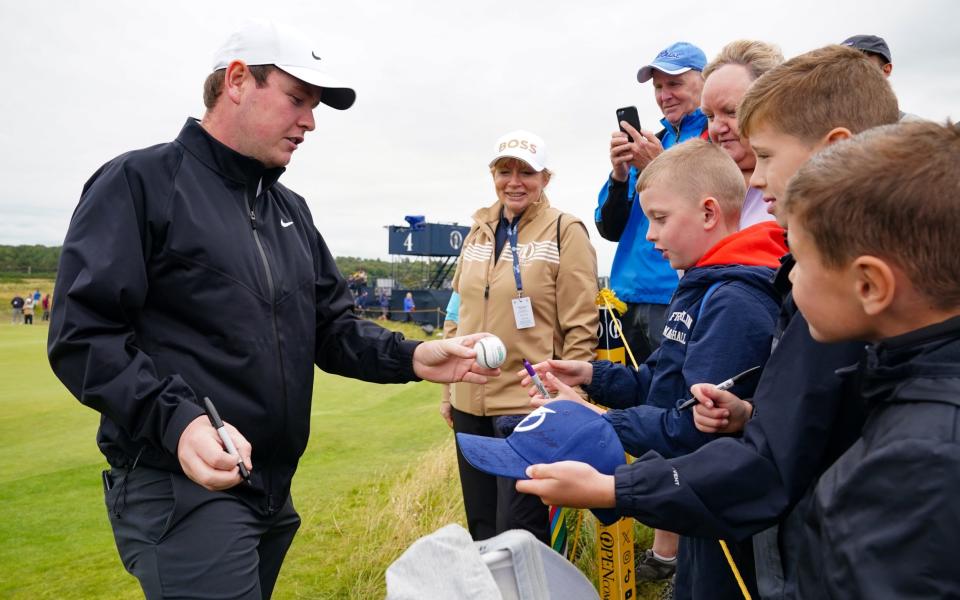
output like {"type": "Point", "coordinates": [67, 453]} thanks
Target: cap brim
{"type": "Point", "coordinates": [493, 456]}
{"type": "Point", "coordinates": [335, 94]}
{"type": "Point", "coordinates": [645, 74]}
{"type": "Point", "coordinates": [518, 156]}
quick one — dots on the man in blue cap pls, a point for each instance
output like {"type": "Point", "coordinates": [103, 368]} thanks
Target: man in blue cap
{"type": "Point", "coordinates": [640, 276]}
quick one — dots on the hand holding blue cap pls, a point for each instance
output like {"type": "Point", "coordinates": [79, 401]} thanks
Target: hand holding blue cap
{"type": "Point", "coordinates": [560, 430]}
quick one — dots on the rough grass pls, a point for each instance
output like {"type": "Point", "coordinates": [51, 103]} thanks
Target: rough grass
{"type": "Point", "coordinates": [379, 472]}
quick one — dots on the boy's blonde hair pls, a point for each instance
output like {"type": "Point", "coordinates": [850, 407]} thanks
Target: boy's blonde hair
{"type": "Point", "coordinates": [892, 192]}
{"type": "Point", "coordinates": [811, 94]}
{"type": "Point", "coordinates": [697, 169]}
{"type": "Point", "coordinates": [756, 56]}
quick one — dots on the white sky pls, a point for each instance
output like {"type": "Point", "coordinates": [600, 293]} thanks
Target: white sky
{"type": "Point", "coordinates": [437, 83]}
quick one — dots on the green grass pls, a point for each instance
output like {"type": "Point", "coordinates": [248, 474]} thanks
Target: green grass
{"type": "Point", "coordinates": [57, 540]}
{"type": "Point", "coordinates": [378, 473]}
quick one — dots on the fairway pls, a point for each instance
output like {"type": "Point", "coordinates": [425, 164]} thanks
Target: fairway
{"type": "Point", "coordinates": [369, 443]}
{"type": "Point", "coordinates": [379, 472]}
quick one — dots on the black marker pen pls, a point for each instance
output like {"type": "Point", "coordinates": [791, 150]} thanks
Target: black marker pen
{"type": "Point", "coordinates": [723, 385]}
{"type": "Point", "coordinates": [225, 437]}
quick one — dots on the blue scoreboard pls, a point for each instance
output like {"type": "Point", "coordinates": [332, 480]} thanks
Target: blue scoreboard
{"type": "Point", "coordinates": [427, 239]}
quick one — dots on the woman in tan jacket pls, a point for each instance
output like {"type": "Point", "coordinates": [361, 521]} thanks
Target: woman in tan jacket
{"type": "Point", "coordinates": [528, 274]}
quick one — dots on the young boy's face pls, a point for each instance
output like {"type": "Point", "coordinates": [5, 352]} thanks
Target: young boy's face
{"type": "Point", "coordinates": [825, 295]}
{"type": "Point", "coordinates": [676, 225]}
{"type": "Point", "coordinates": [779, 156]}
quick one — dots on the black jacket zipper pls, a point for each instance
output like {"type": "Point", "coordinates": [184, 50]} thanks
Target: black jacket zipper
{"type": "Point", "coordinates": [268, 484]}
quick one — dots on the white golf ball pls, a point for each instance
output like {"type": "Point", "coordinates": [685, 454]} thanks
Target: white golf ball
{"type": "Point", "coordinates": [490, 352]}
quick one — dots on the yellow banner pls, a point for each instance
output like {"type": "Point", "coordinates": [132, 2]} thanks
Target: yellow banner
{"type": "Point", "coordinates": [615, 565]}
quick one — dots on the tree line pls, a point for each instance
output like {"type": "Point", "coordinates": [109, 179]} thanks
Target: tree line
{"type": "Point", "coordinates": [36, 260]}
{"type": "Point", "coordinates": [29, 260]}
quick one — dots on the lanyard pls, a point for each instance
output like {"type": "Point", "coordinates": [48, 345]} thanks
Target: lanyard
{"type": "Point", "coordinates": [512, 238]}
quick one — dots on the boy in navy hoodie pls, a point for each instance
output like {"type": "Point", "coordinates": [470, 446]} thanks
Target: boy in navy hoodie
{"type": "Point", "coordinates": [719, 324]}
{"type": "Point", "coordinates": [873, 229]}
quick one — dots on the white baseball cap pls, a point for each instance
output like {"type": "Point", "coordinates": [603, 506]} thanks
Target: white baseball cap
{"type": "Point", "coordinates": [524, 145]}
{"type": "Point", "coordinates": [266, 43]}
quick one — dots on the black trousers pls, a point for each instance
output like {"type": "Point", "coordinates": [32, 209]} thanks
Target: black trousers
{"type": "Point", "coordinates": [183, 541]}
{"type": "Point", "coordinates": [493, 504]}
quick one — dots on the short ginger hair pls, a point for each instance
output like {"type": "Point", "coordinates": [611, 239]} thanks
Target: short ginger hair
{"type": "Point", "coordinates": [818, 91]}
{"type": "Point", "coordinates": [697, 169]}
{"type": "Point", "coordinates": [213, 86]}
{"type": "Point", "coordinates": [892, 192]}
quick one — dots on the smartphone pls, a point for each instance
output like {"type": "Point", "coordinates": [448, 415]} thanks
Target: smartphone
{"type": "Point", "coordinates": [628, 114]}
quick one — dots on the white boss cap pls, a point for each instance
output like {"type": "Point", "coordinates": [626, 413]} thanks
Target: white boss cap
{"type": "Point", "coordinates": [524, 145]}
{"type": "Point", "coordinates": [267, 43]}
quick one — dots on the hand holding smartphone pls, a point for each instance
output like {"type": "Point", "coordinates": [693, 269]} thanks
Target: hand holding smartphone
{"type": "Point", "coordinates": [628, 114]}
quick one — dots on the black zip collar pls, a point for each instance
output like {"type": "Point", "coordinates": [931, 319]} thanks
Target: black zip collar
{"type": "Point", "coordinates": [229, 163]}
{"type": "Point", "coordinates": [781, 277]}
{"type": "Point", "coordinates": [912, 366]}
{"type": "Point", "coordinates": [948, 329]}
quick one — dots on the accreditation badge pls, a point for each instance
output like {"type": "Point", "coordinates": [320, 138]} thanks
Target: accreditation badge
{"type": "Point", "coordinates": [523, 313]}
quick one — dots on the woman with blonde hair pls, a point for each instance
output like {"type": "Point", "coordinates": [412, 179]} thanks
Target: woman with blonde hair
{"type": "Point", "coordinates": [528, 274]}
{"type": "Point", "coordinates": [726, 79]}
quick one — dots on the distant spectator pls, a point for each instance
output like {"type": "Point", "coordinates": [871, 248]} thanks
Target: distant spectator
{"type": "Point", "coordinates": [408, 307]}
{"type": "Point", "coordinates": [362, 300]}
{"type": "Point", "coordinates": [28, 310]}
{"type": "Point", "coordinates": [36, 297]}
{"type": "Point", "coordinates": [384, 305]}
{"type": "Point", "coordinates": [357, 282]}
{"type": "Point", "coordinates": [17, 305]}
{"type": "Point", "coordinates": [45, 305]}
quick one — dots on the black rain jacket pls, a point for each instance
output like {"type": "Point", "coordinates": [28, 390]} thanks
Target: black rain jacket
{"type": "Point", "coordinates": [734, 487]}
{"type": "Point", "coordinates": [885, 518]}
{"type": "Point", "coordinates": [189, 271]}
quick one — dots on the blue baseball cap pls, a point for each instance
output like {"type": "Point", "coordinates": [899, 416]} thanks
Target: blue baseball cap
{"type": "Point", "coordinates": [673, 60]}
{"type": "Point", "coordinates": [560, 430]}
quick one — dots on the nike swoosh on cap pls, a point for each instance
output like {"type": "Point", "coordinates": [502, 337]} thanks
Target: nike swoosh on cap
{"type": "Point", "coordinates": [315, 55]}
{"type": "Point", "coordinates": [285, 223]}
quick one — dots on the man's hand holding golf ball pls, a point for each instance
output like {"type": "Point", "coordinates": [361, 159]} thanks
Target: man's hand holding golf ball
{"type": "Point", "coordinates": [452, 360]}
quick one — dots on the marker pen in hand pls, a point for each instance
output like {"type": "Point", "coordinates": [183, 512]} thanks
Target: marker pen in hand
{"type": "Point", "coordinates": [225, 437]}
{"type": "Point", "coordinates": [536, 379]}
{"type": "Point", "coordinates": [723, 385]}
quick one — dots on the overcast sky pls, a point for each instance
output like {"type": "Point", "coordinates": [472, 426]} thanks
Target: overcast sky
{"type": "Point", "coordinates": [437, 83]}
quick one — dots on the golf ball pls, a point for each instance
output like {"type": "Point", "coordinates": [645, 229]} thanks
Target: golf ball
{"type": "Point", "coordinates": [490, 352]}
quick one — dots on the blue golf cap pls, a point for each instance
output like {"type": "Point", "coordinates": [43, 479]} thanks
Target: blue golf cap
{"type": "Point", "coordinates": [560, 430]}
{"type": "Point", "coordinates": [673, 60]}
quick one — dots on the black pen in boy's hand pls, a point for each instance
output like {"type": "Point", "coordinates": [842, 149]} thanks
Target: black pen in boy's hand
{"type": "Point", "coordinates": [722, 386]}
{"type": "Point", "coordinates": [225, 437]}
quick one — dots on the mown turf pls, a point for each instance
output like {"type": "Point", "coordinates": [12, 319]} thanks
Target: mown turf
{"type": "Point", "coordinates": [378, 473]}
{"type": "Point", "coordinates": [56, 537]}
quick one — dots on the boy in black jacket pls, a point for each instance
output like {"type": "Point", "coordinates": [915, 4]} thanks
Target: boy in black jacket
{"type": "Point", "coordinates": [873, 228]}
